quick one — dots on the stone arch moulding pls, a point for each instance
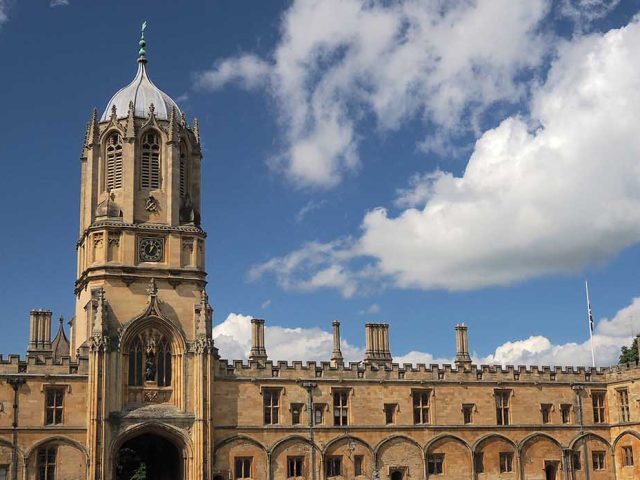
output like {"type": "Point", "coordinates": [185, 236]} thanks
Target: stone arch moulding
{"type": "Point", "coordinates": [230, 441]}
{"type": "Point", "coordinates": [586, 435]}
{"type": "Point", "coordinates": [633, 433]}
{"type": "Point", "coordinates": [444, 437]}
{"type": "Point", "coordinates": [531, 437]}
{"type": "Point", "coordinates": [347, 437]}
{"type": "Point", "coordinates": [57, 439]}
{"type": "Point", "coordinates": [478, 443]}
{"type": "Point", "coordinates": [174, 435]}
{"type": "Point", "coordinates": [383, 442]}
{"type": "Point", "coordinates": [292, 438]}
{"type": "Point", "coordinates": [415, 469]}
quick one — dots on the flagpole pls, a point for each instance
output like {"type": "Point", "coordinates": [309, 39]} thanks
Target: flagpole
{"type": "Point", "coordinates": [590, 315]}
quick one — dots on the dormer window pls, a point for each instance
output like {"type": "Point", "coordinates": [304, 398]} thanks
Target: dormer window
{"type": "Point", "coordinates": [113, 164]}
{"type": "Point", "coordinates": [150, 164]}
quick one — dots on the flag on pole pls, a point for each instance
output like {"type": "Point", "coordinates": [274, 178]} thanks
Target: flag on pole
{"type": "Point", "coordinates": [591, 324]}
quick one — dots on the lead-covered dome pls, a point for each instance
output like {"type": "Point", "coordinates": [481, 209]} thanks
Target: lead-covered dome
{"type": "Point", "coordinates": [143, 93]}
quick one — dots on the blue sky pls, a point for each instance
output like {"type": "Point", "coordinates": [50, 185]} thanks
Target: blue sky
{"type": "Point", "coordinates": [315, 116]}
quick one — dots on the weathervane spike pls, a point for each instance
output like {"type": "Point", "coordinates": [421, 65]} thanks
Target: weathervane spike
{"type": "Point", "coordinates": [142, 53]}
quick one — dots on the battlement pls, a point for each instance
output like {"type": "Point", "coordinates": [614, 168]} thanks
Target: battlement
{"type": "Point", "coordinates": [32, 365]}
{"type": "Point", "coordinates": [420, 372]}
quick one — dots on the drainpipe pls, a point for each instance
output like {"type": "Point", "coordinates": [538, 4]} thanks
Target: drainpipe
{"type": "Point", "coordinates": [309, 386]}
{"type": "Point", "coordinates": [15, 383]}
{"type": "Point", "coordinates": [579, 389]}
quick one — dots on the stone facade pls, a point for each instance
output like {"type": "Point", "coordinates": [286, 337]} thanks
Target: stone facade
{"type": "Point", "coordinates": [140, 381]}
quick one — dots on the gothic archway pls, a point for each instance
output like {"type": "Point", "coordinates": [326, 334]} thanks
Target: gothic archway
{"type": "Point", "coordinates": [149, 456]}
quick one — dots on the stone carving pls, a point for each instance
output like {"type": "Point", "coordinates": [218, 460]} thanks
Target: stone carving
{"type": "Point", "coordinates": [152, 204]}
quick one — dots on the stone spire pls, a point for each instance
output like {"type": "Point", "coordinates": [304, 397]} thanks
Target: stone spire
{"type": "Point", "coordinates": [336, 355]}
{"type": "Point", "coordinates": [60, 344]}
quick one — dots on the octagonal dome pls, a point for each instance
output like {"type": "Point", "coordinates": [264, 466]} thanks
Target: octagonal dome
{"type": "Point", "coordinates": [143, 93]}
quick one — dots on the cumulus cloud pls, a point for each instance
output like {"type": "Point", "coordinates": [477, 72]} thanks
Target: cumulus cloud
{"type": "Point", "coordinates": [340, 61]}
{"type": "Point", "coordinates": [233, 339]}
{"type": "Point", "coordinates": [58, 3]}
{"type": "Point", "coordinates": [547, 194]}
{"type": "Point", "coordinates": [3, 11]}
{"type": "Point", "coordinates": [609, 337]}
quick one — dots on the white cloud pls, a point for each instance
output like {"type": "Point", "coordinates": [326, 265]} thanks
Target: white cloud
{"type": "Point", "coordinates": [233, 338]}
{"type": "Point", "coordinates": [372, 309]}
{"type": "Point", "coordinates": [3, 11]}
{"type": "Point", "coordinates": [249, 70]}
{"type": "Point", "coordinates": [266, 304]}
{"type": "Point", "coordinates": [339, 61]}
{"type": "Point", "coordinates": [307, 208]}
{"type": "Point", "coordinates": [608, 338]}
{"type": "Point", "coordinates": [583, 12]}
{"type": "Point", "coordinates": [545, 195]}
{"type": "Point", "coordinates": [58, 3]}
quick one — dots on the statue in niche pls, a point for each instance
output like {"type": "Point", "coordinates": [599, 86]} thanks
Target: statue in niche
{"type": "Point", "coordinates": [150, 367]}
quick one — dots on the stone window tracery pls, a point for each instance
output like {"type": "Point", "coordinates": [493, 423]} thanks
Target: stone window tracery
{"type": "Point", "coordinates": [150, 164]}
{"type": "Point", "coordinates": [113, 164]}
{"type": "Point", "coordinates": [150, 360]}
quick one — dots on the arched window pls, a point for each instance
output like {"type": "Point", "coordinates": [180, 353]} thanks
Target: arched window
{"type": "Point", "coordinates": [135, 363]}
{"type": "Point", "coordinates": [113, 164]}
{"type": "Point", "coordinates": [183, 170]}
{"type": "Point", "coordinates": [150, 360]}
{"type": "Point", "coordinates": [164, 364]}
{"type": "Point", "coordinates": [150, 165]}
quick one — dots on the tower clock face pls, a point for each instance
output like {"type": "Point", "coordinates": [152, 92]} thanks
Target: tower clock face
{"type": "Point", "coordinates": [151, 249]}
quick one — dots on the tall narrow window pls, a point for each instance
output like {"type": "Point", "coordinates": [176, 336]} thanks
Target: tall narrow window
{"type": "Point", "coordinates": [242, 468]}
{"type": "Point", "coordinates": [623, 402]}
{"type": "Point", "coordinates": [627, 456]}
{"type": "Point", "coordinates": [467, 413]}
{"type": "Point", "coordinates": [597, 459]}
{"type": "Point", "coordinates": [545, 408]}
{"type": "Point", "coordinates": [294, 467]}
{"type": "Point", "coordinates": [435, 464]}
{"type": "Point", "coordinates": [502, 407]}
{"type": "Point", "coordinates": [341, 408]}
{"type": "Point", "coordinates": [390, 413]}
{"type": "Point", "coordinates": [565, 410]}
{"type": "Point", "coordinates": [506, 462]}
{"type": "Point", "coordinates": [54, 406]}
{"type": "Point", "coordinates": [47, 463]}
{"type": "Point", "coordinates": [421, 407]}
{"type": "Point", "coordinates": [597, 399]}
{"type": "Point", "coordinates": [577, 463]}
{"type": "Point", "coordinates": [4, 472]}
{"type": "Point", "coordinates": [318, 414]}
{"type": "Point", "coordinates": [113, 163]}
{"type": "Point", "coordinates": [164, 363]}
{"type": "Point", "coordinates": [358, 463]}
{"type": "Point", "coordinates": [183, 170]}
{"type": "Point", "coordinates": [271, 404]}
{"type": "Point", "coordinates": [334, 467]}
{"type": "Point", "coordinates": [150, 164]}
{"type": "Point", "coordinates": [296, 413]}
{"type": "Point", "coordinates": [478, 459]}
{"type": "Point", "coordinates": [135, 363]}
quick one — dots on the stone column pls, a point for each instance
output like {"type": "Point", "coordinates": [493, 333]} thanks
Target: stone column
{"type": "Point", "coordinates": [258, 352]}
{"type": "Point", "coordinates": [336, 355]}
{"type": "Point", "coordinates": [463, 359]}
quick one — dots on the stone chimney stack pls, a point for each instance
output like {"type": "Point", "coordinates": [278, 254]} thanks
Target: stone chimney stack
{"type": "Point", "coordinates": [258, 352]}
{"type": "Point", "coordinates": [377, 348]}
{"type": "Point", "coordinates": [336, 355]}
{"type": "Point", "coordinates": [463, 360]}
{"type": "Point", "coordinates": [40, 333]}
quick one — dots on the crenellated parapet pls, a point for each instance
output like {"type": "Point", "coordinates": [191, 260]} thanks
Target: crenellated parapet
{"type": "Point", "coordinates": [37, 366]}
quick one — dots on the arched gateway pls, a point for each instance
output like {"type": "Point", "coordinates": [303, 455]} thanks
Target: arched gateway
{"type": "Point", "coordinates": [149, 455]}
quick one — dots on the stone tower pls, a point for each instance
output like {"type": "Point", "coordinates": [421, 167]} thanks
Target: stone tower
{"type": "Point", "coordinates": [142, 314]}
